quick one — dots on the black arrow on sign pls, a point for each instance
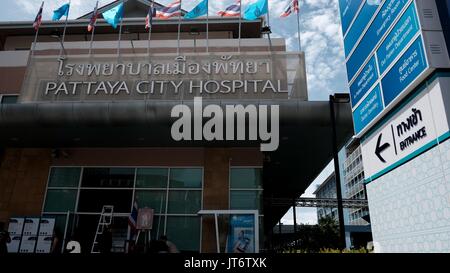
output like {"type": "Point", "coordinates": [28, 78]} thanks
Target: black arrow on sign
{"type": "Point", "coordinates": [379, 149]}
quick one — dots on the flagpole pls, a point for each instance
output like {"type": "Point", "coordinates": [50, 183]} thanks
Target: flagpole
{"type": "Point", "coordinates": [37, 33]}
{"type": "Point", "coordinates": [240, 25]}
{"type": "Point", "coordinates": [207, 26]}
{"type": "Point", "coordinates": [64, 32]}
{"type": "Point", "coordinates": [298, 29]}
{"type": "Point", "coordinates": [120, 33]}
{"type": "Point", "coordinates": [93, 30]}
{"type": "Point", "coordinates": [268, 24]}
{"type": "Point", "coordinates": [179, 30]}
{"type": "Point", "coordinates": [150, 28]}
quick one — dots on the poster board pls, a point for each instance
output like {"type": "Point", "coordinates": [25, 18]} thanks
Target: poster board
{"type": "Point", "coordinates": [28, 244]}
{"type": "Point", "coordinates": [241, 237]}
{"type": "Point", "coordinates": [44, 244]}
{"type": "Point", "coordinates": [31, 226]}
{"type": "Point", "coordinates": [46, 226]}
{"type": "Point", "coordinates": [145, 219]}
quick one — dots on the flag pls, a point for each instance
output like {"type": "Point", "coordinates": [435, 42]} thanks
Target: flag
{"type": "Point", "coordinates": [62, 11]}
{"type": "Point", "coordinates": [93, 19]}
{"type": "Point", "coordinates": [149, 19]}
{"type": "Point", "coordinates": [172, 10]}
{"type": "Point", "coordinates": [292, 7]}
{"type": "Point", "coordinates": [38, 19]}
{"type": "Point", "coordinates": [132, 219]}
{"type": "Point", "coordinates": [114, 15]}
{"type": "Point", "coordinates": [256, 10]}
{"type": "Point", "coordinates": [199, 10]}
{"type": "Point", "coordinates": [231, 11]}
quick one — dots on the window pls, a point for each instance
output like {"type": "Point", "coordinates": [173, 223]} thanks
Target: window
{"type": "Point", "coordinates": [9, 99]}
{"type": "Point", "coordinates": [175, 194]}
{"type": "Point", "coordinates": [246, 189]}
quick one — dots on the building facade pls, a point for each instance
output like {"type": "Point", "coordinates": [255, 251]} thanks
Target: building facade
{"type": "Point", "coordinates": [87, 125]}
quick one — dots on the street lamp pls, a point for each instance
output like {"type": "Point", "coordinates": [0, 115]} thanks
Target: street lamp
{"type": "Point", "coordinates": [338, 98]}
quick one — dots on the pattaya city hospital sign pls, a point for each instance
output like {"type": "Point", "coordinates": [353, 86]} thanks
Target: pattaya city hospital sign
{"type": "Point", "coordinates": [159, 77]}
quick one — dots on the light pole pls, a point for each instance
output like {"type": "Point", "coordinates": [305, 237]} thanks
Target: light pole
{"type": "Point", "coordinates": [338, 98]}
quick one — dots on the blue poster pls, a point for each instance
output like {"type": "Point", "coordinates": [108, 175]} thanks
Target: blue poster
{"type": "Point", "coordinates": [348, 9]}
{"type": "Point", "coordinates": [241, 236]}
{"type": "Point", "coordinates": [365, 80]}
{"type": "Point", "coordinates": [384, 19]}
{"type": "Point", "coordinates": [407, 69]}
{"type": "Point", "coordinates": [368, 110]}
{"type": "Point", "coordinates": [401, 35]}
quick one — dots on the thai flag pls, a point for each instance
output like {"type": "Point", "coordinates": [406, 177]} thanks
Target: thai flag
{"type": "Point", "coordinates": [38, 19]}
{"type": "Point", "coordinates": [149, 19]}
{"type": "Point", "coordinates": [172, 10]}
{"type": "Point", "coordinates": [132, 219]}
{"type": "Point", "coordinates": [93, 19]}
{"type": "Point", "coordinates": [292, 7]}
{"type": "Point", "coordinates": [231, 11]}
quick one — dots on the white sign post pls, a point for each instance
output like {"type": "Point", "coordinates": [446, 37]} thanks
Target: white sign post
{"type": "Point", "coordinates": [416, 128]}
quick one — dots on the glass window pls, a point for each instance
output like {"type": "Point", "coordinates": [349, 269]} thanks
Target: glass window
{"type": "Point", "coordinates": [184, 232]}
{"type": "Point", "coordinates": [246, 200]}
{"type": "Point", "coordinates": [151, 178]}
{"type": "Point", "coordinates": [64, 177]}
{"type": "Point", "coordinates": [247, 178]}
{"type": "Point", "coordinates": [108, 177]}
{"type": "Point", "coordinates": [151, 199]}
{"type": "Point", "coordinates": [60, 200]}
{"type": "Point", "coordinates": [9, 99]}
{"type": "Point", "coordinates": [186, 178]}
{"type": "Point", "coordinates": [94, 200]}
{"type": "Point", "coordinates": [184, 202]}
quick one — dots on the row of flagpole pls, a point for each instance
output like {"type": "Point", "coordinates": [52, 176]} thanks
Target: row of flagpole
{"type": "Point", "coordinates": [115, 16]}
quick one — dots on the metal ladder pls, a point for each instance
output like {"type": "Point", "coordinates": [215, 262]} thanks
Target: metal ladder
{"type": "Point", "coordinates": [105, 220]}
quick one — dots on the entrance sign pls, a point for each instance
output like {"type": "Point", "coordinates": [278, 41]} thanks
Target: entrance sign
{"type": "Point", "coordinates": [417, 127]}
{"type": "Point", "coordinates": [140, 77]}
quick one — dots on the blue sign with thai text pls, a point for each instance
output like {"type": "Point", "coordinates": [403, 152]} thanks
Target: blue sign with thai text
{"type": "Point", "coordinates": [384, 19]}
{"type": "Point", "coordinates": [365, 80]}
{"type": "Point", "coordinates": [401, 35]}
{"type": "Point", "coordinates": [369, 108]}
{"type": "Point", "coordinates": [361, 22]}
{"type": "Point", "coordinates": [407, 69]}
{"type": "Point", "coordinates": [348, 9]}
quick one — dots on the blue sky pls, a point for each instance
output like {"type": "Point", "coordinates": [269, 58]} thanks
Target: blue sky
{"type": "Point", "coordinates": [320, 33]}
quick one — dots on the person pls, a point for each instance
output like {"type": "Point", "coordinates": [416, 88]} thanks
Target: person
{"type": "Point", "coordinates": [4, 239]}
{"type": "Point", "coordinates": [105, 243]}
{"type": "Point", "coordinates": [241, 243]}
{"type": "Point", "coordinates": [172, 248]}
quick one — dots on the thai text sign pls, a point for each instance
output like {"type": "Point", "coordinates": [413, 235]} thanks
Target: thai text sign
{"type": "Point", "coordinates": [133, 77]}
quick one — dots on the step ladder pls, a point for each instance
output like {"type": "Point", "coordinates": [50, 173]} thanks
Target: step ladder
{"type": "Point", "coordinates": [104, 221]}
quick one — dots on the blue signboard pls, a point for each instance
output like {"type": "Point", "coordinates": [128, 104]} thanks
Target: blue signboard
{"type": "Point", "coordinates": [348, 9]}
{"type": "Point", "coordinates": [407, 69]}
{"type": "Point", "coordinates": [401, 35]}
{"type": "Point", "coordinates": [365, 80]}
{"type": "Point", "coordinates": [369, 108]}
{"type": "Point", "coordinates": [384, 19]}
{"type": "Point", "coordinates": [361, 22]}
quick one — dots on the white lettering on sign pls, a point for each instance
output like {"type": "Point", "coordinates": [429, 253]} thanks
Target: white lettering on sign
{"type": "Point", "coordinates": [413, 128]}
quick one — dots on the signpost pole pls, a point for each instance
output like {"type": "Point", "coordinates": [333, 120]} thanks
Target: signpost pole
{"type": "Point", "coordinates": [337, 173]}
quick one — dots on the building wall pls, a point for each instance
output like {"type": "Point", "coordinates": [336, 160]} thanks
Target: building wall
{"type": "Point", "coordinates": [410, 206]}
{"type": "Point", "coordinates": [23, 180]}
